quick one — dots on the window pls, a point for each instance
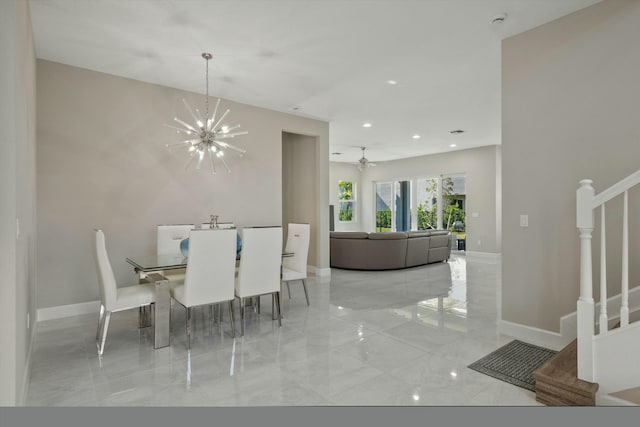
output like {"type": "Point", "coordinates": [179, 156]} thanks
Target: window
{"type": "Point", "coordinates": [384, 196]}
{"type": "Point", "coordinates": [453, 200]}
{"type": "Point", "coordinates": [346, 201]}
{"type": "Point", "coordinates": [427, 203]}
{"type": "Point", "coordinates": [393, 205]}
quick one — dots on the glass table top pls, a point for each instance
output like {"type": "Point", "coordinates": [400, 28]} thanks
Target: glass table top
{"type": "Point", "coordinates": [158, 262]}
{"type": "Point", "coordinates": [167, 262]}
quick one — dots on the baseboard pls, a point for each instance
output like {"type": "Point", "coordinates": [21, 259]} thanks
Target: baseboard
{"type": "Point", "coordinates": [482, 256]}
{"type": "Point", "coordinates": [69, 310]}
{"type": "Point", "coordinates": [319, 272]}
{"type": "Point", "coordinates": [540, 337]}
{"type": "Point", "coordinates": [608, 400]}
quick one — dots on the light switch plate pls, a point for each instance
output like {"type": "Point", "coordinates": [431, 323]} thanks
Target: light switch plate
{"type": "Point", "coordinates": [524, 220]}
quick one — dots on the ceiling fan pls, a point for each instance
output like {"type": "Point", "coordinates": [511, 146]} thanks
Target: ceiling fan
{"type": "Point", "coordinates": [364, 163]}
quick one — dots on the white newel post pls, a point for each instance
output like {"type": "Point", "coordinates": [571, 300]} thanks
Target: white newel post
{"type": "Point", "coordinates": [585, 306]}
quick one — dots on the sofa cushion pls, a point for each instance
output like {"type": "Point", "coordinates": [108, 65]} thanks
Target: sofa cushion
{"type": "Point", "coordinates": [399, 235]}
{"type": "Point", "coordinates": [417, 250]}
{"type": "Point", "coordinates": [386, 254]}
{"type": "Point", "coordinates": [441, 241]}
{"type": "Point", "coordinates": [419, 233]}
{"type": "Point", "coordinates": [348, 235]}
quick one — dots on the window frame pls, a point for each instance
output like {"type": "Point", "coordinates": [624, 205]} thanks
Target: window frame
{"type": "Point", "coordinates": [351, 200]}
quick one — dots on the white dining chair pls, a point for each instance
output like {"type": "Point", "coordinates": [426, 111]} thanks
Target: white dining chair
{"type": "Point", "coordinates": [295, 267]}
{"type": "Point", "coordinates": [259, 269]}
{"type": "Point", "coordinates": [210, 274]}
{"type": "Point", "coordinates": [112, 297]}
{"type": "Point", "coordinates": [168, 238]}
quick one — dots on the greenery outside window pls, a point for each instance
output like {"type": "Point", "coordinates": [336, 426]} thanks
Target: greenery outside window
{"type": "Point", "coordinates": [346, 201]}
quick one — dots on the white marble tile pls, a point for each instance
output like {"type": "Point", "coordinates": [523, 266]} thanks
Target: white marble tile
{"type": "Point", "coordinates": [402, 337]}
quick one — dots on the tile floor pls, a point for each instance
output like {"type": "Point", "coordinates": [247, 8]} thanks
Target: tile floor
{"type": "Point", "coordinates": [369, 338]}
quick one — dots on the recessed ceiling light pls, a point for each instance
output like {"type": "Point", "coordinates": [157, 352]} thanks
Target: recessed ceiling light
{"type": "Point", "coordinates": [336, 154]}
{"type": "Point", "coordinates": [456, 132]}
{"type": "Point", "coordinates": [453, 145]}
{"type": "Point", "coordinates": [416, 136]}
{"type": "Point", "coordinates": [295, 107]}
{"type": "Point", "coordinates": [366, 125]}
{"type": "Point", "coordinates": [392, 82]}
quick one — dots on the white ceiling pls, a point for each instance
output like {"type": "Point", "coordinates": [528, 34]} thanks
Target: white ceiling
{"type": "Point", "coordinates": [331, 58]}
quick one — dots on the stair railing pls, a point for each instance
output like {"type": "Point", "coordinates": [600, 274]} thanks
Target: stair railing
{"type": "Point", "coordinates": [587, 203]}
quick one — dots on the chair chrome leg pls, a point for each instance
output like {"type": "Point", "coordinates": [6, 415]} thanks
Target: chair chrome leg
{"type": "Point", "coordinates": [241, 317]}
{"type": "Point", "coordinates": [188, 325]}
{"type": "Point", "coordinates": [289, 290]}
{"type": "Point", "coordinates": [306, 294]}
{"type": "Point", "coordinates": [105, 327]}
{"type": "Point", "coordinates": [231, 319]}
{"type": "Point", "coordinates": [100, 320]}
{"type": "Point", "coordinates": [273, 306]}
{"type": "Point", "coordinates": [278, 307]}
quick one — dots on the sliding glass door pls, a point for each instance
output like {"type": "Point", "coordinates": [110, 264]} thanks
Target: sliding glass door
{"type": "Point", "coordinates": [422, 204]}
{"type": "Point", "coordinates": [393, 205]}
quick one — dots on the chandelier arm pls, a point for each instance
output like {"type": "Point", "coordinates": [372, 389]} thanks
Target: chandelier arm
{"type": "Point", "coordinates": [215, 111]}
{"type": "Point", "coordinates": [224, 162]}
{"type": "Point", "coordinates": [186, 104]}
{"type": "Point", "coordinates": [221, 119]}
{"type": "Point", "coordinates": [199, 121]}
{"type": "Point", "coordinates": [200, 158]}
{"type": "Point", "coordinates": [213, 167]}
{"type": "Point", "coordinates": [185, 124]}
{"type": "Point", "coordinates": [186, 143]}
{"type": "Point", "coordinates": [228, 129]}
{"type": "Point", "coordinates": [186, 131]}
{"type": "Point", "coordinates": [231, 135]}
{"type": "Point", "coordinates": [190, 161]}
{"type": "Point", "coordinates": [231, 147]}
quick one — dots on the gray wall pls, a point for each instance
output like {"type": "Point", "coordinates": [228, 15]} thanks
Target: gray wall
{"type": "Point", "coordinates": [571, 106]}
{"type": "Point", "coordinates": [17, 195]}
{"type": "Point", "coordinates": [478, 164]}
{"type": "Point", "coordinates": [102, 162]}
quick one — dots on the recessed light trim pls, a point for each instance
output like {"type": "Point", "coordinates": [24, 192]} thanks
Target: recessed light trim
{"type": "Point", "coordinates": [456, 131]}
{"type": "Point", "coordinates": [416, 136]}
{"type": "Point", "coordinates": [452, 145]}
{"type": "Point", "coordinates": [366, 125]}
{"type": "Point", "coordinates": [336, 154]}
{"type": "Point", "coordinates": [392, 82]}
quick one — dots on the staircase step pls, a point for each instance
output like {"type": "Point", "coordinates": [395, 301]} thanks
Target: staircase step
{"type": "Point", "coordinates": [557, 382]}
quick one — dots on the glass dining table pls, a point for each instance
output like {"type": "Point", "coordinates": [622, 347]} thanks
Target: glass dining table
{"type": "Point", "coordinates": [151, 268]}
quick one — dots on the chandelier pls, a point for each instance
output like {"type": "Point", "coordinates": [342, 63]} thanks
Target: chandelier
{"type": "Point", "coordinates": [206, 138]}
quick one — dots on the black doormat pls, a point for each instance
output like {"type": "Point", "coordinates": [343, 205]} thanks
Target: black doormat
{"type": "Point", "coordinates": [514, 363]}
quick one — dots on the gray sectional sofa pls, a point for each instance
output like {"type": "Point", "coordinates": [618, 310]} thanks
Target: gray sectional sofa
{"type": "Point", "coordinates": [356, 250]}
